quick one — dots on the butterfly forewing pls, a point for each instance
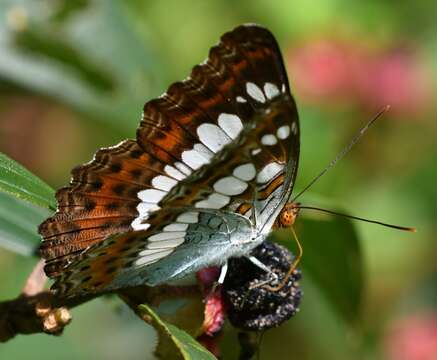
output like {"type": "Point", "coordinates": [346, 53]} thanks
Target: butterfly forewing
{"type": "Point", "coordinates": [100, 201]}
{"type": "Point", "coordinates": [225, 140]}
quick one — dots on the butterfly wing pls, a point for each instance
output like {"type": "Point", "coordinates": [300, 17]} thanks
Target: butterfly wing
{"type": "Point", "coordinates": [193, 241]}
{"type": "Point", "coordinates": [101, 200]}
{"type": "Point", "coordinates": [226, 138]}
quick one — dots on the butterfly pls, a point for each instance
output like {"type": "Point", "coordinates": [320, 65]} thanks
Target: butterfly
{"type": "Point", "coordinates": [211, 169]}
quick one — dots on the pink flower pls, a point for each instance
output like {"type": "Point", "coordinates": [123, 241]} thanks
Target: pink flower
{"type": "Point", "coordinates": [214, 313]}
{"type": "Point", "coordinates": [332, 71]}
{"type": "Point", "coordinates": [320, 69]}
{"type": "Point", "coordinates": [215, 310]}
{"type": "Point", "coordinates": [396, 78]}
{"type": "Point", "coordinates": [413, 338]}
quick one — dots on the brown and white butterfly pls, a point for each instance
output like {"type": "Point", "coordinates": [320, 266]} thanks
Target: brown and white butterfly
{"type": "Point", "coordinates": [212, 166]}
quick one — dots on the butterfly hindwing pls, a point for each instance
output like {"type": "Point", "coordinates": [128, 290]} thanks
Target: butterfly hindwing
{"type": "Point", "coordinates": [225, 139]}
{"type": "Point", "coordinates": [191, 240]}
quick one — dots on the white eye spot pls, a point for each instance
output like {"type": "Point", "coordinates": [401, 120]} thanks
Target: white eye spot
{"type": "Point", "coordinates": [197, 157]}
{"type": "Point", "coordinates": [283, 132]}
{"type": "Point", "coordinates": [183, 168]}
{"type": "Point", "coordinates": [193, 159]}
{"type": "Point", "coordinates": [255, 151]}
{"type": "Point", "coordinates": [241, 99]}
{"type": "Point", "coordinates": [294, 128]}
{"type": "Point", "coordinates": [214, 201]}
{"type": "Point", "coordinates": [255, 92]}
{"type": "Point", "coordinates": [271, 90]}
{"type": "Point", "coordinates": [174, 173]}
{"type": "Point", "coordinates": [145, 208]}
{"type": "Point", "coordinates": [269, 140]}
{"type": "Point", "coordinates": [165, 244]}
{"type": "Point", "coordinates": [188, 217]}
{"type": "Point", "coordinates": [176, 227]}
{"type": "Point", "coordinates": [245, 172]}
{"type": "Point", "coordinates": [150, 256]}
{"type": "Point", "coordinates": [163, 182]}
{"type": "Point", "coordinates": [202, 149]}
{"type": "Point", "coordinates": [167, 235]}
{"type": "Point", "coordinates": [269, 172]}
{"type": "Point", "coordinates": [231, 124]}
{"type": "Point", "coordinates": [151, 195]}
{"type": "Point", "coordinates": [212, 136]}
{"type": "Point", "coordinates": [138, 224]}
{"type": "Point", "coordinates": [230, 186]}
{"type": "Point", "coordinates": [283, 89]}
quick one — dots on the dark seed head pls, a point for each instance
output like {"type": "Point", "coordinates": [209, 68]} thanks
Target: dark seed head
{"type": "Point", "coordinates": [257, 308]}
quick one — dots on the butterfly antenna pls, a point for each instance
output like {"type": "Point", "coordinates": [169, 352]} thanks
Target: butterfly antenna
{"type": "Point", "coordinates": [345, 150]}
{"type": "Point", "coordinates": [404, 228]}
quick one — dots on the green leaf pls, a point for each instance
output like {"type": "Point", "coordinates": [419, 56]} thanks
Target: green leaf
{"type": "Point", "coordinates": [57, 56]}
{"type": "Point", "coordinates": [21, 183]}
{"type": "Point", "coordinates": [331, 258]}
{"type": "Point", "coordinates": [19, 221]}
{"type": "Point", "coordinates": [189, 348]}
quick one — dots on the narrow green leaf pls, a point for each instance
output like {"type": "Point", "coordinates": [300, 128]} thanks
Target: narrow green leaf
{"type": "Point", "coordinates": [19, 221]}
{"type": "Point", "coordinates": [189, 348]}
{"type": "Point", "coordinates": [21, 183]}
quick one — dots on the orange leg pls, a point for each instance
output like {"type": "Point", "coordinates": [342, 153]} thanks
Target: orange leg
{"type": "Point", "coordinates": [292, 267]}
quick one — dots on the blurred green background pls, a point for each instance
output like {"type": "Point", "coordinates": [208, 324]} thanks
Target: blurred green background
{"type": "Point", "coordinates": [74, 76]}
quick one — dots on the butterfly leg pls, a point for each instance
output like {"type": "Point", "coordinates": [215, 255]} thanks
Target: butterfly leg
{"type": "Point", "coordinates": [223, 272]}
{"type": "Point", "coordinates": [220, 280]}
{"type": "Point", "coordinates": [292, 268]}
{"type": "Point", "coordinates": [265, 268]}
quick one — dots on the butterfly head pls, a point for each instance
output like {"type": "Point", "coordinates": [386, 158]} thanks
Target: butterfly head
{"type": "Point", "coordinates": [288, 215]}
